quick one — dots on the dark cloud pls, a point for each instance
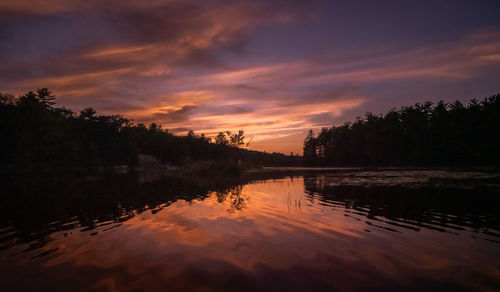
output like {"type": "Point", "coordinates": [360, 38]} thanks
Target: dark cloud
{"type": "Point", "coordinates": [178, 130]}
{"type": "Point", "coordinates": [194, 26]}
{"type": "Point", "coordinates": [114, 106]}
{"type": "Point", "coordinates": [175, 116]}
{"type": "Point", "coordinates": [42, 41]}
{"type": "Point", "coordinates": [319, 96]}
{"type": "Point", "coordinates": [245, 125]}
{"type": "Point", "coordinates": [198, 58]}
{"type": "Point", "coordinates": [321, 119]}
{"type": "Point", "coordinates": [251, 88]}
{"type": "Point", "coordinates": [227, 109]}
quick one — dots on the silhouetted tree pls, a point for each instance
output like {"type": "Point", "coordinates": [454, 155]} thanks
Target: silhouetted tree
{"type": "Point", "coordinates": [236, 139]}
{"type": "Point", "coordinates": [46, 97]}
{"type": "Point", "coordinates": [34, 133]}
{"type": "Point", "coordinates": [423, 134]}
{"type": "Point", "coordinates": [221, 139]}
{"type": "Point", "coordinates": [87, 113]}
{"type": "Point", "coordinates": [310, 148]}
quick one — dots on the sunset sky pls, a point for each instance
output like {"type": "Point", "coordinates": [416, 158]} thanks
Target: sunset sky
{"type": "Point", "coordinates": [272, 68]}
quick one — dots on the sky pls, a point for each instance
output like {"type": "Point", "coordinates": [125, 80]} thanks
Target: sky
{"type": "Point", "coordinates": [275, 69]}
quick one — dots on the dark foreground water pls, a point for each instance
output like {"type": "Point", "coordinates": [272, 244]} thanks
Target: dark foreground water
{"type": "Point", "coordinates": [338, 229]}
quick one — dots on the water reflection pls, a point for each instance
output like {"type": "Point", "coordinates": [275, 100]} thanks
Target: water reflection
{"type": "Point", "coordinates": [343, 229]}
{"type": "Point", "coordinates": [399, 207]}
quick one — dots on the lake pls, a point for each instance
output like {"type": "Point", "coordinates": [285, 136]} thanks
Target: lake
{"type": "Point", "coordinates": [269, 230]}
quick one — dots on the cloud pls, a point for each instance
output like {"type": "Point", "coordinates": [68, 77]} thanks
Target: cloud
{"type": "Point", "coordinates": [175, 115]}
{"type": "Point", "coordinates": [322, 118]}
{"type": "Point", "coordinates": [318, 96]}
{"type": "Point", "coordinates": [250, 88]}
{"type": "Point", "coordinates": [191, 64]}
{"type": "Point", "coordinates": [85, 37]}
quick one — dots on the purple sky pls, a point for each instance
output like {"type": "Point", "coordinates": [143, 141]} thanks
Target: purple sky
{"type": "Point", "coordinates": [273, 68]}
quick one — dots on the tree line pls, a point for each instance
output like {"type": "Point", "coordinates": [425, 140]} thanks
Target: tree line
{"type": "Point", "coordinates": [36, 133]}
{"type": "Point", "coordinates": [425, 134]}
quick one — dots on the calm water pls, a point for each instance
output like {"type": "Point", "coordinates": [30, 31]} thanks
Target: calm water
{"type": "Point", "coordinates": [337, 229]}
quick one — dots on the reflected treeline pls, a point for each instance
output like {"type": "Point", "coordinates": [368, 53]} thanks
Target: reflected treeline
{"type": "Point", "coordinates": [36, 134]}
{"type": "Point", "coordinates": [233, 195]}
{"type": "Point", "coordinates": [423, 134]}
{"type": "Point", "coordinates": [439, 208]}
{"type": "Point", "coordinates": [32, 208]}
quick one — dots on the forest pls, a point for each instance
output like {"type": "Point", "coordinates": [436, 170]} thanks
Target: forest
{"type": "Point", "coordinates": [425, 134]}
{"type": "Point", "coordinates": [37, 134]}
